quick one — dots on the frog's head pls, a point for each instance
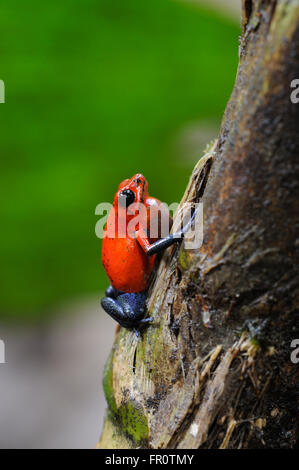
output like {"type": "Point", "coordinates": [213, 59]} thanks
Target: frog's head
{"type": "Point", "coordinates": [133, 190]}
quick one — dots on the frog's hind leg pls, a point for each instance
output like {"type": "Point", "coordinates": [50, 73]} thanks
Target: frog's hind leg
{"type": "Point", "coordinates": [115, 310]}
{"type": "Point", "coordinates": [133, 306]}
{"type": "Point", "coordinates": [112, 292]}
{"type": "Point", "coordinates": [127, 309]}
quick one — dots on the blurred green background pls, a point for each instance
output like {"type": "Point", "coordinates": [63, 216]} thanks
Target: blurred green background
{"type": "Point", "coordinates": [96, 90]}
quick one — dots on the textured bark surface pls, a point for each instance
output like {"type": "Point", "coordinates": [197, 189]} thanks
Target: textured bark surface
{"type": "Point", "coordinates": [214, 369]}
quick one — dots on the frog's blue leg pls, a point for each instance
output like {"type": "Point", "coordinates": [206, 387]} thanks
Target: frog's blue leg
{"type": "Point", "coordinates": [127, 309]}
{"type": "Point", "coordinates": [133, 306]}
{"type": "Point", "coordinates": [161, 245]}
{"type": "Point", "coordinates": [112, 292]}
{"type": "Point", "coordinates": [114, 309]}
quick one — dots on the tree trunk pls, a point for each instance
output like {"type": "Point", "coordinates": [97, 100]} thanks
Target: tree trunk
{"type": "Point", "coordinates": [214, 369]}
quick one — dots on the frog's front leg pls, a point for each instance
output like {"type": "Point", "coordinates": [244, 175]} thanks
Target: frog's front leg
{"type": "Point", "coordinates": [161, 245]}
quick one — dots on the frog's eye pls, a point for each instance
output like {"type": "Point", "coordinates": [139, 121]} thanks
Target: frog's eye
{"type": "Point", "coordinates": [126, 198]}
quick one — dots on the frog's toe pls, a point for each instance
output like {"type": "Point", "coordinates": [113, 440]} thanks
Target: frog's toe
{"type": "Point", "coordinates": [137, 333]}
{"type": "Point", "coordinates": [147, 320]}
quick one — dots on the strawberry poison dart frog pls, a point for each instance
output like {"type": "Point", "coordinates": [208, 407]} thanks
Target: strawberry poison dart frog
{"type": "Point", "coordinates": [128, 251]}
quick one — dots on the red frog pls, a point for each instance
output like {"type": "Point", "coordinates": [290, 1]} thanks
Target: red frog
{"type": "Point", "coordinates": [128, 251]}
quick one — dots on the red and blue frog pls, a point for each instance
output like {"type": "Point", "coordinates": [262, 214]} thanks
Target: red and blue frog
{"type": "Point", "coordinates": [129, 253]}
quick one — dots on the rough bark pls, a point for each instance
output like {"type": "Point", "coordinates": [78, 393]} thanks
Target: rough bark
{"type": "Point", "coordinates": [214, 369]}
